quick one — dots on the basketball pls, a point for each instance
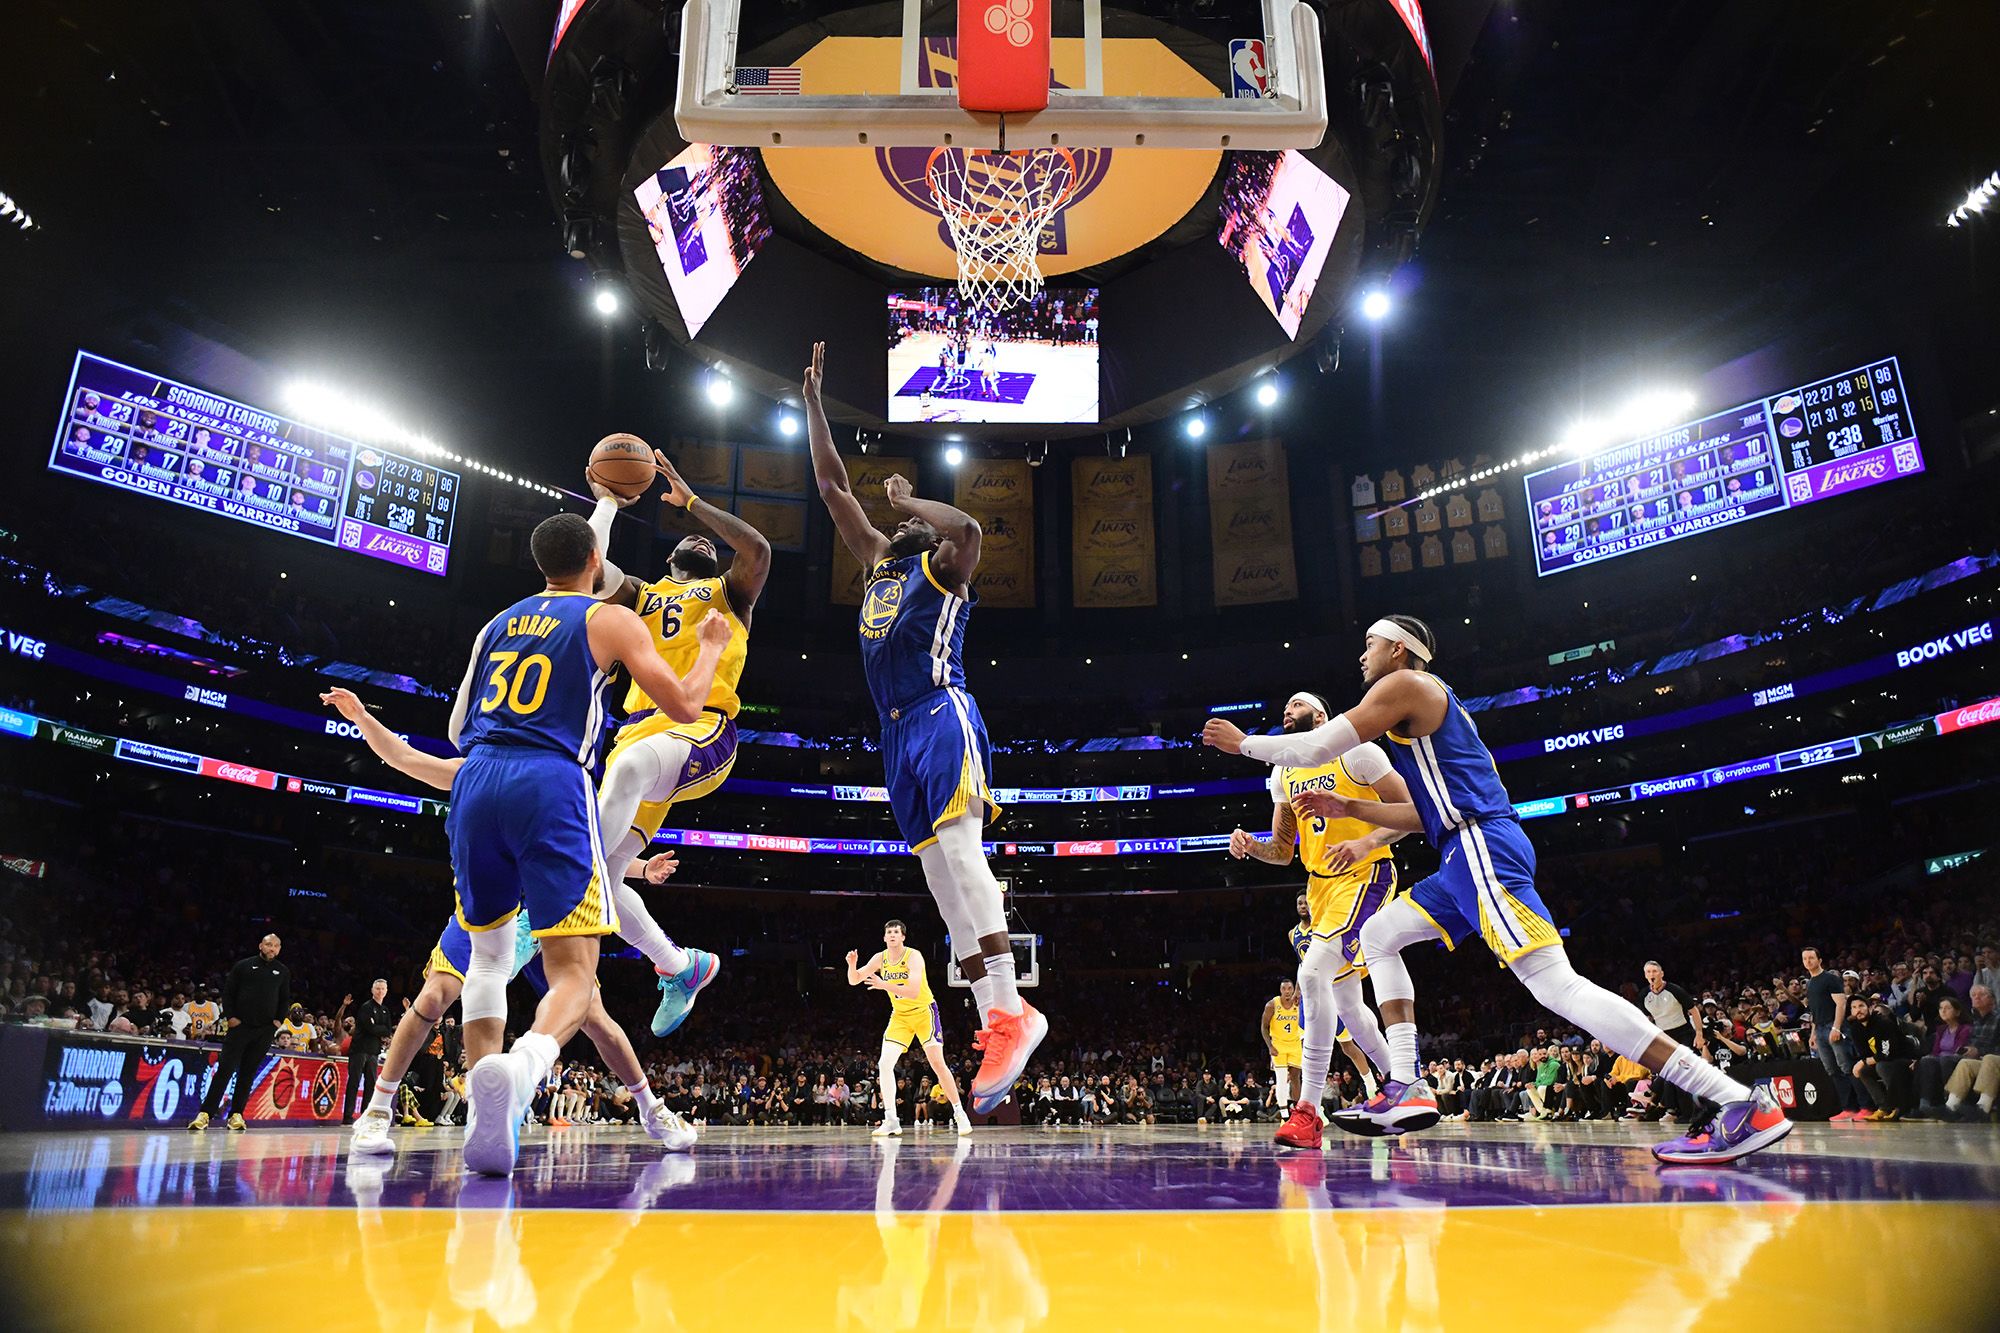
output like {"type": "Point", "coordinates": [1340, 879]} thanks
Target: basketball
{"type": "Point", "coordinates": [623, 464]}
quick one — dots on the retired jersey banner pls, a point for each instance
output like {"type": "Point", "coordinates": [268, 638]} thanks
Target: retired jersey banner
{"type": "Point", "coordinates": [1111, 532]}
{"type": "Point", "coordinates": [1250, 523]}
{"type": "Point", "coordinates": [783, 522]}
{"type": "Point", "coordinates": [762, 470]}
{"type": "Point", "coordinates": [1000, 493]}
{"type": "Point", "coordinates": [866, 475]}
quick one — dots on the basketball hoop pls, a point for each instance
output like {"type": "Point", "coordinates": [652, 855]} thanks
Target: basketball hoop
{"type": "Point", "coordinates": [995, 205]}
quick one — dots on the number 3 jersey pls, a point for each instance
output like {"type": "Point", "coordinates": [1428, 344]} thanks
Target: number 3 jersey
{"type": "Point", "coordinates": [1352, 775]}
{"type": "Point", "coordinates": [673, 611]}
{"type": "Point", "coordinates": [533, 682]}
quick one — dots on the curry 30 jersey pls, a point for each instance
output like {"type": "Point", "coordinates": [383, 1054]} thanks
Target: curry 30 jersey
{"type": "Point", "coordinates": [535, 684]}
{"type": "Point", "coordinates": [673, 611]}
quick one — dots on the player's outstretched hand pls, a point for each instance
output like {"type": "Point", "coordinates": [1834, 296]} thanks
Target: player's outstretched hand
{"type": "Point", "coordinates": [815, 372]}
{"type": "Point", "coordinates": [661, 867]}
{"type": "Point", "coordinates": [1239, 843]}
{"type": "Point", "coordinates": [1224, 736]}
{"type": "Point", "coordinates": [853, 958]}
{"type": "Point", "coordinates": [346, 703]}
{"type": "Point", "coordinates": [603, 492]}
{"type": "Point", "coordinates": [714, 629]}
{"type": "Point", "coordinates": [1344, 854]}
{"type": "Point", "coordinates": [678, 494]}
{"type": "Point", "coordinates": [1323, 804]}
{"type": "Point", "coordinates": [898, 488]}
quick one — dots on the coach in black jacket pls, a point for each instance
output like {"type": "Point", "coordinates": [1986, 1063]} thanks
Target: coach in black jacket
{"type": "Point", "coordinates": [373, 1025]}
{"type": "Point", "coordinates": [257, 993]}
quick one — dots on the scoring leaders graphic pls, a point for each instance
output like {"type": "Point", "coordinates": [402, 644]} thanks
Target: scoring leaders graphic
{"type": "Point", "coordinates": [152, 436]}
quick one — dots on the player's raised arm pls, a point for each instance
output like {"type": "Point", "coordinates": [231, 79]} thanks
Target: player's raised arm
{"type": "Point", "coordinates": [752, 565]}
{"type": "Point", "coordinates": [1401, 699]}
{"type": "Point", "coordinates": [863, 539]}
{"type": "Point", "coordinates": [957, 556]}
{"type": "Point", "coordinates": [618, 635]}
{"type": "Point", "coordinates": [857, 975]}
{"type": "Point", "coordinates": [390, 748]}
{"type": "Point", "coordinates": [619, 587]}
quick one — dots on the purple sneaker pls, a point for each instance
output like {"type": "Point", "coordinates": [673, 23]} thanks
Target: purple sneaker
{"type": "Point", "coordinates": [1735, 1131]}
{"type": "Point", "coordinates": [1399, 1108]}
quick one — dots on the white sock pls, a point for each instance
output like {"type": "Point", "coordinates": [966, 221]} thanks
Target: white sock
{"type": "Point", "coordinates": [1368, 1082]}
{"type": "Point", "coordinates": [982, 997]}
{"type": "Point", "coordinates": [1954, 1100]}
{"type": "Point", "coordinates": [1000, 971]}
{"type": "Point", "coordinates": [638, 929]}
{"type": "Point", "coordinates": [1685, 1069]}
{"type": "Point", "coordinates": [642, 1093]}
{"type": "Point", "coordinates": [1402, 1039]}
{"type": "Point", "coordinates": [1986, 1102]}
{"type": "Point", "coordinates": [383, 1096]}
{"type": "Point", "coordinates": [538, 1050]}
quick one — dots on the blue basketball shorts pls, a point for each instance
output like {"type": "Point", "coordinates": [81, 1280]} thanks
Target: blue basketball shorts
{"type": "Point", "coordinates": [523, 830]}
{"type": "Point", "coordinates": [937, 764]}
{"type": "Point", "coordinates": [1486, 887]}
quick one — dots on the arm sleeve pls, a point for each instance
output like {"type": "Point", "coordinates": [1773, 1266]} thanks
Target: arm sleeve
{"type": "Point", "coordinates": [1318, 746]}
{"type": "Point", "coordinates": [1277, 786]}
{"type": "Point", "coordinates": [1366, 763]}
{"type": "Point", "coordinates": [600, 523]}
{"type": "Point", "coordinates": [461, 708]}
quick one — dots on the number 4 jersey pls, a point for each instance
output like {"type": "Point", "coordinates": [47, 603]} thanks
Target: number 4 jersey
{"type": "Point", "coordinates": [535, 683]}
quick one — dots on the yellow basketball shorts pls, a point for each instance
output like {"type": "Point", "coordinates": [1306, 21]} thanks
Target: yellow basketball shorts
{"type": "Point", "coordinates": [711, 742]}
{"type": "Point", "coordinates": [924, 1026]}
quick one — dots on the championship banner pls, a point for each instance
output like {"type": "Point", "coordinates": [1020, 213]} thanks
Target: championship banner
{"type": "Point", "coordinates": [1111, 533]}
{"type": "Point", "coordinates": [783, 522]}
{"type": "Point", "coordinates": [866, 476]}
{"type": "Point", "coordinates": [766, 471]}
{"type": "Point", "coordinates": [1000, 493]}
{"type": "Point", "coordinates": [705, 465]}
{"type": "Point", "coordinates": [1250, 523]}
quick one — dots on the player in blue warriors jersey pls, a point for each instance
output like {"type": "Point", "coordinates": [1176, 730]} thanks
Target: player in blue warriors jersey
{"type": "Point", "coordinates": [934, 753]}
{"type": "Point", "coordinates": [1485, 887]}
{"type": "Point", "coordinates": [451, 959]}
{"type": "Point", "coordinates": [523, 821]}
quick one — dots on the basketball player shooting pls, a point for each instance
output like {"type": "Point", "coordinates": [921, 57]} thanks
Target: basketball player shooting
{"type": "Point", "coordinates": [657, 762]}
{"type": "Point", "coordinates": [1486, 886]}
{"type": "Point", "coordinates": [934, 752]}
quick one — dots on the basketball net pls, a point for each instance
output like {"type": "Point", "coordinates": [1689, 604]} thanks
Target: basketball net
{"type": "Point", "coordinates": [995, 205]}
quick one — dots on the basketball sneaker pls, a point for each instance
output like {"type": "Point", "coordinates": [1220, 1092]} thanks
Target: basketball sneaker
{"type": "Point", "coordinates": [1303, 1129]}
{"type": "Point", "coordinates": [1733, 1132]}
{"type": "Point", "coordinates": [1400, 1108]}
{"type": "Point", "coordinates": [497, 1091]}
{"type": "Point", "coordinates": [236, 1122]}
{"type": "Point", "coordinates": [961, 1121]}
{"type": "Point", "coordinates": [887, 1129]}
{"type": "Point", "coordinates": [672, 1132]}
{"type": "Point", "coordinates": [677, 992]}
{"type": "Point", "coordinates": [1008, 1040]}
{"type": "Point", "coordinates": [200, 1120]}
{"type": "Point", "coordinates": [371, 1134]}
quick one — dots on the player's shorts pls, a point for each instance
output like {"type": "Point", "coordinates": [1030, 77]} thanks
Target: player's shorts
{"type": "Point", "coordinates": [523, 830]}
{"type": "Point", "coordinates": [1287, 1058]}
{"type": "Point", "coordinates": [937, 764]}
{"type": "Point", "coordinates": [1341, 906]}
{"type": "Point", "coordinates": [452, 955]}
{"type": "Point", "coordinates": [1486, 887]}
{"type": "Point", "coordinates": [711, 742]}
{"type": "Point", "coordinates": [923, 1026]}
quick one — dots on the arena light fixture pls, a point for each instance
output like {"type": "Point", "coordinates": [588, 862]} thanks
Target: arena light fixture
{"type": "Point", "coordinates": [719, 390]}
{"type": "Point", "coordinates": [13, 213]}
{"type": "Point", "coordinates": [1976, 201]}
{"type": "Point", "coordinates": [954, 456]}
{"type": "Point", "coordinates": [606, 300]}
{"type": "Point", "coordinates": [1267, 393]}
{"type": "Point", "coordinates": [1642, 414]}
{"type": "Point", "coordinates": [1375, 305]}
{"type": "Point", "coordinates": [343, 413]}
{"type": "Point", "coordinates": [788, 425]}
{"type": "Point", "coordinates": [1197, 426]}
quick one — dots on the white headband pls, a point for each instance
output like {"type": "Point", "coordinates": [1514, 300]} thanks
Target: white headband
{"type": "Point", "coordinates": [1312, 701]}
{"type": "Point", "coordinates": [1394, 633]}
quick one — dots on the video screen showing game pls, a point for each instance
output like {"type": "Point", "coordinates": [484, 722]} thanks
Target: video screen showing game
{"type": "Point", "coordinates": [1036, 361]}
{"type": "Point", "coordinates": [1279, 214]}
{"type": "Point", "coordinates": [705, 212]}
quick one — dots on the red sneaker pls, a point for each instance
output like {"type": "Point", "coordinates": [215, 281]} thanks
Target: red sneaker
{"type": "Point", "coordinates": [1303, 1129]}
{"type": "Point", "coordinates": [1844, 1118]}
{"type": "Point", "coordinates": [1008, 1040]}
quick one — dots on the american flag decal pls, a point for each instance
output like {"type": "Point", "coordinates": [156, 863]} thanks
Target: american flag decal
{"type": "Point", "coordinates": [778, 81]}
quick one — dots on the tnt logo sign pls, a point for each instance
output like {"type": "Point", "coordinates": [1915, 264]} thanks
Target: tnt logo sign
{"type": "Point", "coordinates": [1249, 71]}
{"type": "Point", "coordinates": [1786, 1091]}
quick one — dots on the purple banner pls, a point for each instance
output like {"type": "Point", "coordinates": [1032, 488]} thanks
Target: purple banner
{"type": "Point", "coordinates": [1856, 472]}
{"type": "Point", "coordinates": [398, 548]}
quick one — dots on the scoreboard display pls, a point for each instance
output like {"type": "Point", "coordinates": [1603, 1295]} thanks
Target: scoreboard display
{"type": "Point", "coordinates": [153, 436]}
{"type": "Point", "coordinates": [1806, 444]}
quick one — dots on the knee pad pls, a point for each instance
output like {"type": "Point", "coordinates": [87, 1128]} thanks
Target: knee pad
{"type": "Point", "coordinates": [486, 977]}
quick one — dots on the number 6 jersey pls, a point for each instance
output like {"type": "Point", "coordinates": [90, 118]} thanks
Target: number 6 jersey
{"type": "Point", "coordinates": [673, 611]}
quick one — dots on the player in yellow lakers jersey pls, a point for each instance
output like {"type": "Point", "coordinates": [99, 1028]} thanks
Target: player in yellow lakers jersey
{"type": "Point", "coordinates": [1350, 875]}
{"type": "Point", "coordinates": [656, 762]}
{"type": "Point", "coordinates": [1301, 937]}
{"type": "Point", "coordinates": [1283, 1030]}
{"type": "Point", "coordinates": [913, 1017]}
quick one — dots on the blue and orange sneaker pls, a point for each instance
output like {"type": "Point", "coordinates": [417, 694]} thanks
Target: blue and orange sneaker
{"type": "Point", "coordinates": [1735, 1131]}
{"type": "Point", "coordinates": [1399, 1108]}
{"type": "Point", "coordinates": [677, 992]}
{"type": "Point", "coordinates": [1007, 1040]}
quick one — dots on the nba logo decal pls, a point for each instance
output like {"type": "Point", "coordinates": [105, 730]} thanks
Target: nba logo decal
{"type": "Point", "coordinates": [1249, 72]}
